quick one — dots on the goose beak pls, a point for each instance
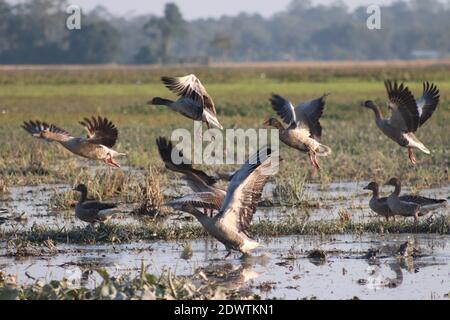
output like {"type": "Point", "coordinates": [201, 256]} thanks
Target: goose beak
{"type": "Point", "coordinates": [366, 188]}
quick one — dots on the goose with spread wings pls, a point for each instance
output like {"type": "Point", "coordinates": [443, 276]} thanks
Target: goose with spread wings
{"type": "Point", "coordinates": [411, 205]}
{"type": "Point", "coordinates": [200, 182]}
{"type": "Point", "coordinates": [97, 145]}
{"type": "Point", "coordinates": [408, 115]}
{"type": "Point", "coordinates": [194, 101]}
{"type": "Point", "coordinates": [230, 225]}
{"type": "Point", "coordinates": [304, 131]}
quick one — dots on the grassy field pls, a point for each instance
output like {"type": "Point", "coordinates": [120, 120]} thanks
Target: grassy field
{"type": "Point", "coordinates": [360, 151]}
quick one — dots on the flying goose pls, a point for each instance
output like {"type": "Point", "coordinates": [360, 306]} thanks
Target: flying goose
{"type": "Point", "coordinates": [194, 102]}
{"type": "Point", "coordinates": [408, 115]}
{"type": "Point", "coordinates": [411, 205]}
{"type": "Point", "coordinates": [198, 181]}
{"type": "Point", "coordinates": [304, 131]}
{"type": "Point", "coordinates": [93, 211]}
{"type": "Point", "coordinates": [377, 204]}
{"type": "Point", "coordinates": [101, 137]}
{"type": "Point", "coordinates": [229, 226]}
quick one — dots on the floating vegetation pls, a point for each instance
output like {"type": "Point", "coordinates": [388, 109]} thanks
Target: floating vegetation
{"type": "Point", "coordinates": [145, 286]}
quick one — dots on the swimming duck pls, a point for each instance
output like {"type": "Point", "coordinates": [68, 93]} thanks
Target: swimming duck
{"type": "Point", "coordinates": [102, 136]}
{"type": "Point", "coordinates": [408, 115]}
{"type": "Point", "coordinates": [304, 131]}
{"type": "Point", "coordinates": [229, 226]}
{"type": "Point", "coordinates": [194, 103]}
{"type": "Point", "coordinates": [411, 205]}
{"type": "Point", "coordinates": [93, 211]}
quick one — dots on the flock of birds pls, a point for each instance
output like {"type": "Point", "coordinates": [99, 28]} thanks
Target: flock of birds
{"type": "Point", "coordinates": [235, 206]}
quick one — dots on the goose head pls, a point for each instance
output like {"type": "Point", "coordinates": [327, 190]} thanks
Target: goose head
{"type": "Point", "coordinates": [393, 182]}
{"type": "Point", "coordinates": [272, 122]}
{"type": "Point", "coordinates": [369, 104]}
{"type": "Point", "coordinates": [80, 188]}
{"type": "Point", "coordinates": [373, 186]}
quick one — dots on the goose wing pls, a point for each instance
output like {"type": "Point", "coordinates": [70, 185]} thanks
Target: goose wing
{"type": "Point", "coordinates": [405, 115]}
{"type": "Point", "coordinates": [284, 109]}
{"type": "Point", "coordinates": [205, 200]}
{"type": "Point", "coordinates": [244, 190]}
{"type": "Point", "coordinates": [97, 205]}
{"type": "Point", "coordinates": [428, 102]}
{"type": "Point", "coordinates": [306, 114]}
{"type": "Point", "coordinates": [100, 131]}
{"type": "Point", "coordinates": [36, 127]}
{"type": "Point", "coordinates": [190, 87]}
{"type": "Point", "coordinates": [422, 201]}
{"type": "Point", "coordinates": [194, 176]}
{"type": "Point", "coordinates": [310, 113]}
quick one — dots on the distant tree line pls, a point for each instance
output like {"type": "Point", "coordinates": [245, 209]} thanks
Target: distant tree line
{"type": "Point", "coordinates": [34, 32]}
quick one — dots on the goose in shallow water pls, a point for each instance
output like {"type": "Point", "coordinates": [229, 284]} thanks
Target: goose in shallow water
{"type": "Point", "coordinates": [198, 180]}
{"type": "Point", "coordinates": [408, 115]}
{"type": "Point", "coordinates": [102, 136]}
{"type": "Point", "coordinates": [411, 205]}
{"type": "Point", "coordinates": [379, 204]}
{"type": "Point", "coordinates": [229, 226]}
{"type": "Point", "coordinates": [93, 211]}
{"type": "Point", "coordinates": [304, 131]}
{"type": "Point", "coordinates": [194, 102]}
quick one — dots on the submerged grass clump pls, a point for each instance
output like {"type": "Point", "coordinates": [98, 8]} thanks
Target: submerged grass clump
{"type": "Point", "coordinates": [151, 199]}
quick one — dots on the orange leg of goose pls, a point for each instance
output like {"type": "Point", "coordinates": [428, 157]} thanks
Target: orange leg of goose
{"type": "Point", "coordinates": [411, 156]}
{"type": "Point", "coordinates": [109, 160]}
{"type": "Point", "coordinates": [313, 159]}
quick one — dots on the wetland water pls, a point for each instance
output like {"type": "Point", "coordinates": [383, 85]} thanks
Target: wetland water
{"type": "Point", "coordinates": [368, 267]}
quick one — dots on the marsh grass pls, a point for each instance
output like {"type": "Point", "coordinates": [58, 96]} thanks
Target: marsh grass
{"type": "Point", "coordinates": [151, 230]}
{"type": "Point", "coordinates": [151, 199]}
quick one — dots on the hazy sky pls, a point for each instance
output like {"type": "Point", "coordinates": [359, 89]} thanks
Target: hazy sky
{"type": "Point", "coordinates": [192, 9]}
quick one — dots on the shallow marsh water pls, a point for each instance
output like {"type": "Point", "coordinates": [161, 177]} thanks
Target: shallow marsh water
{"type": "Point", "coordinates": [280, 269]}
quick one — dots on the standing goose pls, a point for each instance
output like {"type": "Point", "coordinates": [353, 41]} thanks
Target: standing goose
{"type": "Point", "coordinates": [407, 115]}
{"type": "Point", "coordinates": [411, 205]}
{"type": "Point", "coordinates": [377, 204]}
{"type": "Point", "coordinates": [304, 131]}
{"type": "Point", "coordinates": [93, 211]}
{"type": "Point", "coordinates": [102, 136]}
{"type": "Point", "coordinates": [198, 181]}
{"type": "Point", "coordinates": [229, 226]}
{"type": "Point", "coordinates": [194, 102]}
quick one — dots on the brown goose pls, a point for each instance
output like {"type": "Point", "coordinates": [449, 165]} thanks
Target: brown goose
{"type": "Point", "coordinates": [411, 205]}
{"type": "Point", "coordinates": [304, 131]}
{"type": "Point", "coordinates": [93, 211]}
{"type": "Point", "coordinates": [194, 102]}
{"type": "Point", "coordinates": [102, 136]}
{"type": "Point", "coordinates": [377, 204]}
{"type": "Point", "coordinates": [198, 181]}
{"type": "Point", "coordinates": [407, 115]}
{"type": "Point", "coordinates": [229, 226]}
